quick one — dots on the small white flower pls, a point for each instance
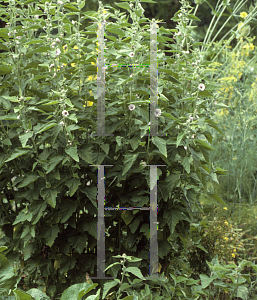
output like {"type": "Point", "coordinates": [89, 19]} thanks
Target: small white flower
{"type": "Point", "coordinates": [185, 147]}
{"type": "Point", "coordinates": [27, 131]}
{"type": "Point", "coordinates": [65, 113]}
{"type": "Point", "coordinates": [131, 54]}
{"type": "Point", "coordinates": [52, 65]}
{"type": "Point", "coordinates": [201, 86]}
{"type": "Point", "coordinates": [54, 43]}
{"type": "Point", "coordinates": [251, 69]}
{"type": "Point", "coordinates": [59, 2]}
{"type": "Point", "coordinates": [57, 40]}
{"type": "Point", "coordinates": [73, 22]}
{"type": "Point", "coordinates": [18, 37]}
{"type": "Point", "coordinates": [157, 112]}
{"type": "Point", "coordinates": [149, 123]}
{"type": "Point", "coordinates": [15, 31]}
{"type": "Point", "coordinates": [58, 51]}
{"type": "Point", "coordinates": [18, 117]}
{"type": "Point", "coordinates": [36, 16]}
{"type": "Point", "coordinates": [54, 74]}
{"type": "Point", "coordinates": [9, 33]}
{"type": "Point", "coordinates": [131, 107]}
{"type": "Point", "coordinates": [61, 123]}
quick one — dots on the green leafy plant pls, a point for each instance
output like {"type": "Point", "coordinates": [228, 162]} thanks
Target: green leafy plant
{"type": "Point", "coordinates": [47, 181]}
{"type": "Point", "coordinates": [48, 188]}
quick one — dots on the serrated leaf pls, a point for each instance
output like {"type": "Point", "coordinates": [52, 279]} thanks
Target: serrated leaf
{"type": "Point", "coordinates": [108, 286]}
{"type": "Point", "coordinates": [129, 161]}
{"type": "Point", "coordinates": [105, 148]}
{"type": "Point", "coordinates": [117, 31]}
{"type": "Point", "coordinates": [126, 216]}
{"type": "Point", "coordinates": [204, 144]}
{"type": "Point", "coordinates": [179, 138]}
{"type": "Point", "coordinates": [173, 217]}
{"type": "Point", "coordinates": [37, 208]}
{"type": "Point", "coordinates": [161, 144]}
{"type": "Point", "coordinates": [73, 152]}
{"type": "Point", "coordinates": [86, 154]}
{"type": "Point", "coordinates": [17, 152]}
{"type": "Point", "coordinates": [167, 115]}
{"type": "Point", "coordinates": [135, 271]}
{"type": "Point", "coordinates": [205, 280]}
{"type": "Point", "coordinates": [28, 179]}
{"type": "Point", "coordinates": [77, 291]}
{"type": "Point", "coordinates": [186, 163]}
{"type": "Point", "coordinates": [29, 250]}
{"type": "Point", "coordinates": [208, 136]}
{"type": "Point", "coordinates": [193, 17]}
{"type": "Point", "coordinates": [46, 127]}
{"type": "Point", "coordinates": [37, 294]}
{"type": "Point", "coordinates": [50, 234]}
{"type": "Point", "coordinates": [79, 242]}
{"type": "Point", "coordinates": [24, 138]}
{"type": "Point", "coordinates": [53, 162]}
{"type": "Point", "coordinates": [70, 7]}
{"type": "Point", "coordinates": [68, 102]}
{"type": "Point", "coordinates": [67, 209]}
{"type": "Point", "coordinates": [123, 5]}
{"type": "Point", "coordinates": [49, 196]}
{"type": "Point", "coordinates": [73, 184]}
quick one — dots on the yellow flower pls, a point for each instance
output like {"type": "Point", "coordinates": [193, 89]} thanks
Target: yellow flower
{"type": "Point", "coordinates": [89, 103]}
{"type": "Point", "coordinates": [243, 14]}
{"type": "Point", "coordinates": [251, 46]}
{"type": "Point", "coordinates": [226, 238]}
{"type": "Point", "coordinates": [240, 25]}
{"type": "Point", "coordinates": [226, 222]}
{"type": "Point", "coordinates": [225, 208]}
{"type": "Point", "coordinates": [233, 255]}
{"type": "Point", "coordinates": [91, 77]}
{"type": "Point", "coordinates": [234, 250]}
